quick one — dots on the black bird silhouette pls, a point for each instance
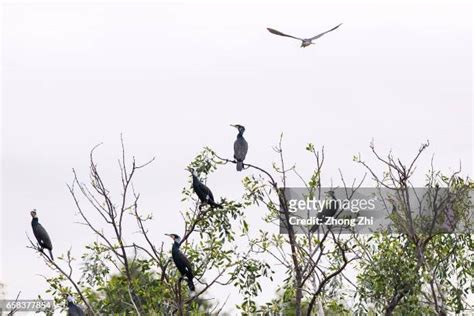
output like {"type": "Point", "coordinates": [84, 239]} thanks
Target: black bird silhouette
{"type": "Point", "coordinates": [329, 209]}
{"type": "Point", "coordinates": [182, 263]}
{"type": "Point", "coordinates": [202, 191]}
{"type": "Point", "coordinates": [73, 309]}
{"type": "Point", "coordinates": [305, 42]}
{"type": "Point", "coordinates": [41, 234]}
{"type": "Point", "coordinates": [240, 147]}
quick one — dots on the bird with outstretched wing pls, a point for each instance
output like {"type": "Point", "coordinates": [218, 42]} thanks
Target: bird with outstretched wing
{"type": "Point", "coordinates": [304, 41]}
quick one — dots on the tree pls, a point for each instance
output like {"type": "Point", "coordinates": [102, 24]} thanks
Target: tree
{"type": "Point", "coordinates": [300, 255]}
{"type": "Point", "coordinates": [115, 267]}
{"type": "Point", "coordinates": [419, 268]}
{"type": "Point", "coordinates": [422, 269]}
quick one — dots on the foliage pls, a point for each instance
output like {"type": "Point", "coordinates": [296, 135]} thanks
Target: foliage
{"type": "Point", "coordinates": [147, 282]}
{"type": "Point", "coordinates": [421, 270]}
{"type": "Point", "coordinates": [417, 271]}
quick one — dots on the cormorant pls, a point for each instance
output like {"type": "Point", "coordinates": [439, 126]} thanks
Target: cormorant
{"type": "Point", "coordinates": [240, 147]}
{"type": "Point", "coordinates": [304, 41]}
{"type": "Point", "coordinates": [182, 263]}
{"type": "Point", "coordinates": [202, 191]}
{"type": "Point", "coordinates": [329, 209]}
{"type": "Point", "coordinates": [73, 309]}
{"type": "Point", "coordinates": [41, 234]}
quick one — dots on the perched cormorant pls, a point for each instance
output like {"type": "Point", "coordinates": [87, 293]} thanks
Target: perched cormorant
{"type": "Point", "coordinates": [304, 41]}
{"type": "Point", "coordinates": [329, 209]}
{"type": "Point", "coordinates": [73, 309]}
{"type": "Point", "coordinates": [182, 263]}
{"type": "Point", "coordinates": [202, 191]}
{"type": "Point", "coordinates": [240, 147]}
{"type": "Point", "coordinates": [41, 235]}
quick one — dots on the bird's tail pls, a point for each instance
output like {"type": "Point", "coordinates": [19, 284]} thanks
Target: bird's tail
{"type": "Point", "coordinates": [191, 284]}
{"type": "Point", "coordinates": [240, 165]}
{"type": "Point", "coordinates": [216, 205]}
{"type": "Point", "coordinates": [314, 228]}
{"type": "Point", "coordinates": [51, 254]}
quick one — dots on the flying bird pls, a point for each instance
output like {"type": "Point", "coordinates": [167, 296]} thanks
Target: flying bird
{"type": "Point", "coordinates": [73, 309]}
{"type": "Point", "coordinates": [304, 41]}
{"type": "Point", "coordinates": [41, 234]}
{"type": "Point", "coordinates": [240, 147]}
{"type": "Point", "coordinates": [202, 191]}
{"type": "Point", "coordinates": [182, 263]}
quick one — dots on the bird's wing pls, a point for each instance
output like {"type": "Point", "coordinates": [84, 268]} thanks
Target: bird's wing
{"type": "Point", "coordinates": [204, 192]}
{"type": "Point", "coordinates": [245, 147]}
{"type": "Point", "coordinates": [330, 208]}
{"type": "Point", "coordinates": [319, 35]}
{"type": "Point", "coordinates": [75, 310]}
{"type": "Point", "coordinates": [43, 237]}
{"type": "Point", "coordinates": [209, 195]}
{"type": "Point", "coordinates": [273, 31]}
{"type": "Point", "coordinates": [240, 149]}
{"type": "Point", "coordinates": [186, 263]}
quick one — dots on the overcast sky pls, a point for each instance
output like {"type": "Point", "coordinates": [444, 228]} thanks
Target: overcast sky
{"type": "Point", "coordinates": [172, 77]}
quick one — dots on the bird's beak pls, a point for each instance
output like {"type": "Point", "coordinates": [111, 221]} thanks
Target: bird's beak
{"type": "Point", "coordinates": [233, 125]}
{"type": "Point", "coordinates": [169, 235]}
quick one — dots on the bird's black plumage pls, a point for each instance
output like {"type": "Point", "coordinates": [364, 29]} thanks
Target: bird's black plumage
{"type": "Point", "coordinates": [181, 261]}
{"type": "Point", "coordinates": [73, 309]}
{"type": "Point", "coordinates": [329, 210]}
{"type": "Point", "coordinates": [41, 234]}
{"type": "Point", "coordinates": [240, 147]}
{"type": "Point", "coordinates": [202, 191]}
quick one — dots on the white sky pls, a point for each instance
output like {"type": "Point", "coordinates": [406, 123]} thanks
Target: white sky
{"type": "Point", "coordinates": [172, 77]}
